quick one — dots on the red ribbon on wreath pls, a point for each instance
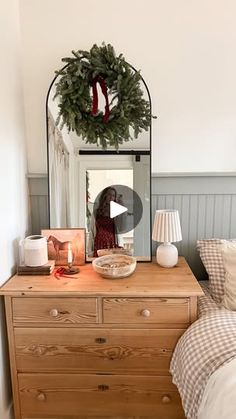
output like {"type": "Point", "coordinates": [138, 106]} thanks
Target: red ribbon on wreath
{"type": "Point", "coordinates": [101, 81]}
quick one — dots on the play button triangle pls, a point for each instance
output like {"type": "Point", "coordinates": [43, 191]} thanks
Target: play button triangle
{"type": "Point", "coordinates": [116, 209]}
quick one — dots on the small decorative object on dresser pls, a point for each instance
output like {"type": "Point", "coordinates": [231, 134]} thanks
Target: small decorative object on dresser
{"type": "Point", "coordinates": [33, 251]}
{"type": "Point", "coordinates": [66, 245]}
{"type": "Point", "coordinates": [114, 266]}
{"type": "Point", "coordinates": [98, 348]}
{"type": "Point", "coordinates": [114, 251]}
{"type": "Point", "coordinates": [167, 229]}
{"type": "Point", "coordinates": [46, 269]}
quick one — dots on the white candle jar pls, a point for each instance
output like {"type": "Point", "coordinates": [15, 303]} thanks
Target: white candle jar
{"type": "Point", "coordinates": [34, 251]}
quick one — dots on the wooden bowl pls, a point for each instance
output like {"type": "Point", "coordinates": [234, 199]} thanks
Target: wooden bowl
{"type": "Point", "coordinates": [114, 266]}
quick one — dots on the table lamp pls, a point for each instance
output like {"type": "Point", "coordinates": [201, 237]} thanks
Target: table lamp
{"type": "Point", "coordinates": [166, 229]}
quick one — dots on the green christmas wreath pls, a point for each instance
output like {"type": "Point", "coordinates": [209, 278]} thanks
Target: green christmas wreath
{"type": "Point", "coordinates": [126, 113]}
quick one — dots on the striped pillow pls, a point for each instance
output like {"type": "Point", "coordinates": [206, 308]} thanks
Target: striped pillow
{"type": "Point", "coordinates": [210, 254]}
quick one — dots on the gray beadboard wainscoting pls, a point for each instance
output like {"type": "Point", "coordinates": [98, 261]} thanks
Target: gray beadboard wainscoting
{"type": "Point", "coordinates": [206, 203]}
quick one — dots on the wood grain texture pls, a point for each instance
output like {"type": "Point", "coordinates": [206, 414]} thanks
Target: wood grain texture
{"type": "Point", "coordinates": [54, 310]}
{"type": "Point", "coordinates": [149, 279]}
{"type": "Point", "coordinates": [181, 416]}
{"type": "Point", "coordinates": [99, 417]}
{"type": "Point", "coordinates": [133, 310]}
{"type": "Point", "coordinates": [98, 395]}
{"type": "Point", "coordinates": [193, 309]}
{"type": "Point", "coordinates": [89, 417]}
{"type": "Point", "coordinates": [124, 351]}
{"type": "Point", "coordinates": [11, 345]}
{"type": "Point", "coordinates": [92, 348]}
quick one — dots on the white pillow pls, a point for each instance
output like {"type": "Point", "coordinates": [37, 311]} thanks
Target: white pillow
{"type": "Point", "coordinates": [228, 251]}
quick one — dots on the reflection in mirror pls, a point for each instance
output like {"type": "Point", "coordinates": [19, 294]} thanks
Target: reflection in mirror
{"type": "Point", "coordinates": [79, 172]}
{"type": "Point", "coordinates": [105, 178]}
{"type": "Point", "coordinates": [129, 190]}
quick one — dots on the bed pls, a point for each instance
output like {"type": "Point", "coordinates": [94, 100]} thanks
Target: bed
{"type": "Point", "coordinates": [203, 365]}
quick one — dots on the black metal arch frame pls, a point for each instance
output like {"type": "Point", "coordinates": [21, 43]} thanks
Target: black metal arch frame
{"type": "Point", "coordinates": [99, 152]}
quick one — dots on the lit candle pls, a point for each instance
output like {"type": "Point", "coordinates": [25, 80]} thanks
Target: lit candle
{"type": "Point", "coordinates": [69, 256]}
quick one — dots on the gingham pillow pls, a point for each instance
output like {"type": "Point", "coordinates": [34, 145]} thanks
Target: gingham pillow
{"type": "Point", "coordinates": [210, 254]}
{"type": "Point", "coordinates": [228, 251]}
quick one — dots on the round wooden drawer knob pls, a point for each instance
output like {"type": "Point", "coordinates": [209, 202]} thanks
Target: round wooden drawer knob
{"type": "Point", "coordinates": [166, 399]}
{"type": "Point", "coordinates": [41, 397]}
{"type": "Point", "coordinates": [145, 313]}
{"type": "Point", "coordinates": [54, 312]}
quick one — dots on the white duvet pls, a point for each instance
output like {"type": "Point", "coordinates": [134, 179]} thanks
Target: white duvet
{"type": "Point", "coordinates": [219, 398]}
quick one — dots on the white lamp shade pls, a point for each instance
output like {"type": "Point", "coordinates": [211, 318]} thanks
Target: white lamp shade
{"type": "Point", "coordinates": [166, 228]}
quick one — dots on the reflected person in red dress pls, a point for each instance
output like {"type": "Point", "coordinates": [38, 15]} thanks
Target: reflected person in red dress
{"type": "Point", "coordinates": [103, 232]}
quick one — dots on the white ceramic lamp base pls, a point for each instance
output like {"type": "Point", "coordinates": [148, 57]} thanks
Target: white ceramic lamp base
{"type": "Point", "coordinates": [167, 255]}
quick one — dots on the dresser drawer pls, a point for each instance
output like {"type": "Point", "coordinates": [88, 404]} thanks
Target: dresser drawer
{"type": "Point", "coordinates": [146, 310]}
{"type": "Point", "coordinates": [123, 351]}
{"type": "Point", "coordinates": [54, 310]}
{"type": "Point", "coordinates": [61, 395]}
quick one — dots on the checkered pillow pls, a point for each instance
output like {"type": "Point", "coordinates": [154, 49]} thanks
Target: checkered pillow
{"type": "Point", "coordinates": [229, 262]}
{"type": "Point", "coordinates": [211, 257]}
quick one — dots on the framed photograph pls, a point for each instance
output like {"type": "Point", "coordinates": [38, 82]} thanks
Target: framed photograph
{"type": "Point", "coordinates": [66, 245]}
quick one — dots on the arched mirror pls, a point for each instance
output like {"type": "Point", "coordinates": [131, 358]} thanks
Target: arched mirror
{"type": "Point", "coordinates": [83, 176]}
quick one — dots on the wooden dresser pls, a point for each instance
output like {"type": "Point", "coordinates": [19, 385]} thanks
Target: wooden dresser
{"type": "Point", "coordinates": [90, 347]}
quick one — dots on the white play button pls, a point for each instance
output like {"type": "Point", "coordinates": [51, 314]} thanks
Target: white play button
{"type": "Point", "coordinates": [106, 204]}
{"type": "Point", "coordinates": [116, 209]}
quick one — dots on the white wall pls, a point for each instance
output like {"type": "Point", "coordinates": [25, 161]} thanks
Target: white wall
{"type": "Point", "coordinates": [185, 50]}
{"type": "Point", "coordinates": [13, 206]}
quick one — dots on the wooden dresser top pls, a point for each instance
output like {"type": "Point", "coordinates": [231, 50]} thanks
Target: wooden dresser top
{"type": "Point", "coordinates": [149, 279]}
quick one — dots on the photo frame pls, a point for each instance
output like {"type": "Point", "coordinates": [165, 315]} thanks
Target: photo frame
{"type": "Point", "coordinates": [62, 241]}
